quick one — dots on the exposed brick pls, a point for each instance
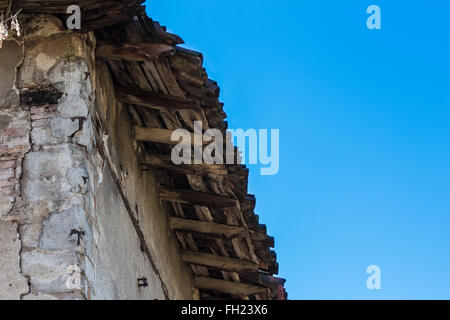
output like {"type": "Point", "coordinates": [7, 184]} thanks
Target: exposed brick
{"type": "Point", "coordinates": [38, 110]}
{"type": "Point", "coordinates": [7, 164]}
{"type": "Point", "coordinates": [5, 150]}
{"type": "Point", "coordinates": [44, 115]}
{"type": "Point", "coordinates": [39, 116]}
{"type": "Point", "coordinates": [44, 122]}
{"type": "Point", "coordinates": [21, 122]}
{"type": "Point", "coordinates": [19, 141]}
{"type": "Point", "coordinates": [8, 158]}
{"type": "Point", "coordinates": [14, 132]}
{"type": "Point", "coordinates": [7, 191]}
{"type": "Point", "coordinates": [7, 173]}
{"type": "Point", "coordinates": [7, 183]}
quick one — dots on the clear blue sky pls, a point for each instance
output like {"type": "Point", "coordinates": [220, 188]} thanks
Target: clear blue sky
{"type": "Point", "coordinates": [364, 119]}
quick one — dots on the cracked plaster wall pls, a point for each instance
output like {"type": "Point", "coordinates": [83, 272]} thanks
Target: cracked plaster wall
{"type": "Point", "coordinates": [60, 173]}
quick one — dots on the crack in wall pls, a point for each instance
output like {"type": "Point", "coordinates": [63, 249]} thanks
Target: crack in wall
{"type": "Point", "coordinates": [20, 264]}
{"type": "Point", "coordinates": [64, 181]}
{"type": "Point", "coordinates": [19, 195]}
{"type": "Point", "coordinates": [144, 247]}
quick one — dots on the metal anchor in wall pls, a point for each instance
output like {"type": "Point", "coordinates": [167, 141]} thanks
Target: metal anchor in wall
{"type": "Point", "coordinates": [79, 234]}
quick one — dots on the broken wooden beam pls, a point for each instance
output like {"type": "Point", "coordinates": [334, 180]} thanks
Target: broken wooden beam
{"type": "Point", "coordinates": [218, 262]}
{"type": "Point", "coordinates": [206, 228]}
{"type": "Point", "coordinates": [195, 198]}
{"type": "Point", "coordinates": [155, 101]}
{"type": "Point", "coordinates": [158, 161]}
{"type": "Point", "coordinates": [132, 51]}
{"type": "Point", "coordinates": [230, 287]}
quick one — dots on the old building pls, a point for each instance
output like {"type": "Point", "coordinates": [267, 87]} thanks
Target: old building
{"type": "Point", "coordinates": [91, 206]}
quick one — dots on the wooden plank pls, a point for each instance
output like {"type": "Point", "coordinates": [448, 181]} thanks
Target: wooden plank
{"type": "Point", "coordinates": [132, 51]}
{"type": "Point", "coordinates": [164, 136]}
{"type": "Point", "coordinates": [229, 287]}
{"type": "Point", "coordinates": [218, 262]}
{"type": "Point", "coordinates": [195, 198]}
{"type": "Point", "coordinates": [263, 239]}
{"type": "Point", "coordinates": [239, 245]}
{"type": "Point", "coordinates": [264, 279]}
{"type": "Point", "coordinates": [138, 76]}
{"type": "Point", "coordinates": [155, 101]}
{"type": "Point", "coordinates": [187, 241]}
{"type": "Point", "coordinates": [158, 161]}
{"type": "Point", "coordinates": [170, 82]}
{"type": "Point", "coordinates": [152, 73]}
{"type": "Point", "coordinates": [206, 228]}
{"type": "Point", "coordinates": [204, 214]}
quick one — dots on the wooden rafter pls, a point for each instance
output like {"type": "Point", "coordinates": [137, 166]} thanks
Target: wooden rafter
{"type": "Point", "coordinates": [207, 228]}
{"type": "Point", "coordinates": [218, 262]}
{"type": "Point", "coordinates": [263, 279]}
{"type": "Point", "coordinates": [164, 136]}
{"type": "Point", "coordinates": [132, 51]}
{"type": "Point", "coordinates": [155, 101]}
{"type": "Point", "coordinates": [177, 90]}
{"type": "Point", "coordinates": [195, 198]}
{"type": "Point", "coordinates": [230, 287]}
{"type": "Point", "coordinates": [162, 162]}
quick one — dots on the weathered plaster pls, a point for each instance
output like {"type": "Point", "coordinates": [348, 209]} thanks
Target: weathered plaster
{"type": "Point", "coordinates": [12, 283]}
{"type": "Point", "coordinates": [141, 188]}
{"type": "Point", "coordinates": [9, 95]}
{"type": "Point", "coordinates": [59, 173]}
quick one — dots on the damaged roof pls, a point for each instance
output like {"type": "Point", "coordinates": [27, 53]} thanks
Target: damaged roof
{"type": "Point", "coordinates": [165, 88]}
{"type": "Point", "coordinates": [95, 14]}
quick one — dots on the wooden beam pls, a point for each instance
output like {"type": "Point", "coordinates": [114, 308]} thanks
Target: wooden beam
{"type": "Point", "coordinates": [205, 296]}
{"type": "Point", "coordinates": [261, 278]}
{"type": "Point", "coordinates": [218, 262]}
{"type": "Point", "coordinates": [132, 51]}
{"type": "Point", "coordinates": [206, 228]}
{"type": "Point", "coordinates": [229, 287]}
{"type": "Point", "coordinates": [164, 136]}
{"type": "Point", "coordinates": [195, 198]}
{"type": "Point", "coordinates": [155, 101]}
{"type": "Point", "coordinates": [263, 238]}
{"type": "Point", "coordinates": [161, 162]}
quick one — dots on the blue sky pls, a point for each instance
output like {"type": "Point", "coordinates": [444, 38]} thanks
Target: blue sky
{"type": "Point", "coordinates": [364, 119]}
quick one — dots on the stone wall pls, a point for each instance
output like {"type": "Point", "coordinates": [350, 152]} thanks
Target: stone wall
{"type": "Point", "coordinates": [73, 198]}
